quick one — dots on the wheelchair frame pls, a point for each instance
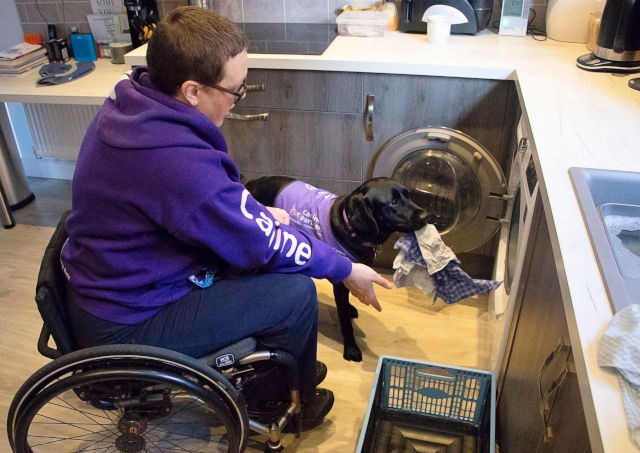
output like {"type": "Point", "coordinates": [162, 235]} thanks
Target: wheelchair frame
{"type": "Point", "coordinates": [135, 382]}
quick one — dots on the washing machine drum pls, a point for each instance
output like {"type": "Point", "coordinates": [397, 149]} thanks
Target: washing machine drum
{"type": "Point", "coordinates": [453, 177]}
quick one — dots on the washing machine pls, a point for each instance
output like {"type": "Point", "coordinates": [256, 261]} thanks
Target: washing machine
{"type": "Point", "coordinates": [522, 193]}
{"type": "Point", "coordinates": [455, 179]}
{"type": "Point", "coordinates": [469, 200]}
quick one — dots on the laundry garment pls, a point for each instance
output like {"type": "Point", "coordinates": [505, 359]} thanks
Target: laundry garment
{"type": "Point", "coordinates": [59, 73]}
{"type": "Point", "coordinates": [407, 273]}
{"type": "Point", "coordinates": [426, 262]}
{"type": "Point", "coordinates": [620, 350]}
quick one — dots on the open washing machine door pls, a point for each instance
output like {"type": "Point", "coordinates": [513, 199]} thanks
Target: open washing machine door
{"type": "Point", "coordinates": [453, 177]}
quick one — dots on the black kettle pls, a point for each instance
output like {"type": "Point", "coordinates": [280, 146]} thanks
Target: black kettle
{"type": "Point", "coordinates": [619, 35]}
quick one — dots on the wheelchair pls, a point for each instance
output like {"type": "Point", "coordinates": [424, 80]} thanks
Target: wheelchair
{"type": "Point", "coordinates": [135, 398]}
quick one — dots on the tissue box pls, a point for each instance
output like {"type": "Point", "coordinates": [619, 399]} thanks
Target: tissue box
{"type": "Point", "coordinates": [362, 23]}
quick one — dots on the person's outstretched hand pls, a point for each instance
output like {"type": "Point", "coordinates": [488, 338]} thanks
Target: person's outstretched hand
{"type": "Point", "coordinates": [360, 284]}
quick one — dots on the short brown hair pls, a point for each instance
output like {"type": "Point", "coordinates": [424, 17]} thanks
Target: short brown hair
{"type": "Point", "coordinates": [192, 43]}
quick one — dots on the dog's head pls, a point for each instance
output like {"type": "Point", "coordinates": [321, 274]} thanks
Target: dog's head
{"type": "Point", "coordinates": [383, 205]}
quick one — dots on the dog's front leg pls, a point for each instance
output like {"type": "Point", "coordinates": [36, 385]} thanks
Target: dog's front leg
{"type": "Point", "coordinates": [345, 314]}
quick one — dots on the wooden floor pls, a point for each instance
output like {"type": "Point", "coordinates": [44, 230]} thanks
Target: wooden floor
{"type": "Point", "coordinates": [409, 326]}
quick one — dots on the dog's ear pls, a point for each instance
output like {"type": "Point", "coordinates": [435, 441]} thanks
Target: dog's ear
{"type": "Point", "coordinates": [361, 216]}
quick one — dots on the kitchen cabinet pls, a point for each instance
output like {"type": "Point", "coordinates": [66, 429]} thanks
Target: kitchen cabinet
{"type": "Point", "coordinates": [486, 110]}
{"type": "Point", "coordinates": [316, 129]}
{"type": "Point", "coordinates": [539, 408]}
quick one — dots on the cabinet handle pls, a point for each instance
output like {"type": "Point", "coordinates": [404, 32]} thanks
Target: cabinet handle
{"type": "Point", "coordinates": [368, 117]}
{"type": "Point", "coordinates": [523, 145]}
{"type": "Point", "coordinates": [258, 117]}
{"type": "Point", "coordinates": [547, 395]}
{"type": "Point", "coordinates": [257, 87]}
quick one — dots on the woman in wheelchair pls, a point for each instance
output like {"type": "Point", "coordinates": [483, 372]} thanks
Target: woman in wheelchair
{"type": "Point", "coordinates": [166, 248]}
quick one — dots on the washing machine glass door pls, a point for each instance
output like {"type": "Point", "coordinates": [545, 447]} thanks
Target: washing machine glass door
{"type": "Point", "coordinates": [442, 184]}
{"type": "Point", "coordinates": [453, 177]}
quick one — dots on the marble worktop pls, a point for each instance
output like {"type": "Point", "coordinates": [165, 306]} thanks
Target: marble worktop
{"type": "Point", "coordinates": [576, 118]}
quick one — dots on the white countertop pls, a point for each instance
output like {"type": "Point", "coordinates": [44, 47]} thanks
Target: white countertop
{"type": "Point", "coordinates": [577, 118]}
{"type": "Point", "coordinates": [91, 89]}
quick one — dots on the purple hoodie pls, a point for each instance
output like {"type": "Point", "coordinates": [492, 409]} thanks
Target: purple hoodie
{"type": "Point", "coordinates": [157, 200]}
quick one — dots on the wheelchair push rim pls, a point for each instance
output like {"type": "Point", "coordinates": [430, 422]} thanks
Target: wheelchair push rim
{"type": "Point", "coordinates": [127, 401]}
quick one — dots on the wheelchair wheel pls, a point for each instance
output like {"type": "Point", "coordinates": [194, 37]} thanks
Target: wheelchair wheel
{"type": "Point", "coordinates": [127, 398]}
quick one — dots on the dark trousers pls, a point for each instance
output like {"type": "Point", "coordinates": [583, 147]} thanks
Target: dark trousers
{"type": "Point", "coordinates": [280, 310]}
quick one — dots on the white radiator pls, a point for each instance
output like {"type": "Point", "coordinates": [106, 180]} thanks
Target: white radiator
{"type": "Point", "coordinates": [58, 130]}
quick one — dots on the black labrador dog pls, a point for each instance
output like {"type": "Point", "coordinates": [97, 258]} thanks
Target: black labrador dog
{"type": "Point", "coordinates": [359, 222]}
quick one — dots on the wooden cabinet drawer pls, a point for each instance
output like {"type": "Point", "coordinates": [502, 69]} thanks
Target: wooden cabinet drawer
{"type": "Point", "coordinates": [298, 143]}
{"type": "Point", "coordinates": [305, 90]}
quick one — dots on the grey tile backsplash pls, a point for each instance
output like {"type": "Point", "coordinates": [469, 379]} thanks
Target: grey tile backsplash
{"type": "Point", "coordinates": [323, 11]}
{"type": "Point", "coordinates": [35, 14]}
{"type": "Point", "coordinates": [294, 11]}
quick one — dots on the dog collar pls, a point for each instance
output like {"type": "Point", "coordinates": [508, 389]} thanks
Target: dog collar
{"type": "Point", "coordinates": [353, 232]}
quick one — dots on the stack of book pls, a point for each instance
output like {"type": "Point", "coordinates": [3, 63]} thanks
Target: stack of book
{"type": "Point", "coordinates": [21, 58]}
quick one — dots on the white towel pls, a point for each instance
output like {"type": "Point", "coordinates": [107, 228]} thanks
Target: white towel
{"type": "Point", "coordinates": [434, 251]}
{"type": "Point", "coordinates": [410, 274]}
{"type": "Point", "coordinates": [620, 350]}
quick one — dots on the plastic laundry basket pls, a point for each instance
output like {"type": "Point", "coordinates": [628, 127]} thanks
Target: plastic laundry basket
{"type": "Point", "coordinates": [425, 403]}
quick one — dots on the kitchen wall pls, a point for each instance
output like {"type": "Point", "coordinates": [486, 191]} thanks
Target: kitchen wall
{"type": "Point", "coordinates": [304, 11]}
{"type": "Point", "coordinates": [312, 11]}
{"type": "Point", "coordinates": [10, 31]}
{"type": "Point", "coordinates": [35, 14]}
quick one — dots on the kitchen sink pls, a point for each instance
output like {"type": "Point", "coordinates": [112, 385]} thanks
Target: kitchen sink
{"type": "Point", "coordinates": [610, 205]}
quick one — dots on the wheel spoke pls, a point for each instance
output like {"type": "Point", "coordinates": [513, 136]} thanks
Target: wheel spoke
{"type": "Point", "coordinates": [136, 406]}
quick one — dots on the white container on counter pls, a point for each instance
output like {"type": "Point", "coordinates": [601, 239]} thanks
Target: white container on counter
{"type": "Point", "coordinates": [362, 23]}
{"type": "Point", "coordinates": [438, 29]}
{"type": "Point", "coordinates": [568, 20]}
{"type": "Point", "coordinates": [364, 4]}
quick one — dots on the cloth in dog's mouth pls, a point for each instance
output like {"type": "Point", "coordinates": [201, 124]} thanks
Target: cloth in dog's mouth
{"type": "Point", "coordinates": [426, 262]}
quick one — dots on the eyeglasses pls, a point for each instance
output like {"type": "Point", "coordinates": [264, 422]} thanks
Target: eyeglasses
{"type": "Point", "coordinates": [238, 94]}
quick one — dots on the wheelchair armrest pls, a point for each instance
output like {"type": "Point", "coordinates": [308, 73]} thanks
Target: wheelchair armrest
{"type": "Point", "coordinates": [43, 344]}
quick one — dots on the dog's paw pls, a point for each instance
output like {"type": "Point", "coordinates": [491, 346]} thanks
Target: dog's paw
{"type": "Point", "coordinates": [352, 311]}
{"type": "Point", "coordinates": [352, 353]}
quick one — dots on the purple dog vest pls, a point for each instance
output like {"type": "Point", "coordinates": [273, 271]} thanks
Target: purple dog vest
{"type": "Point", "coordinates": [309, 209]}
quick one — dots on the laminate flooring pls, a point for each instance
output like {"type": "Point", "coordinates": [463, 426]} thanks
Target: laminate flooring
{"type": "Point", "coordinates": [409, 326]}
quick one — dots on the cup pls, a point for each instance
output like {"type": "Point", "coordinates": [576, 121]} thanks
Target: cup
{"type": "Point", "coordinates": [118, 49]}
{"type": "Point", "coordinates": [438, 29]}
